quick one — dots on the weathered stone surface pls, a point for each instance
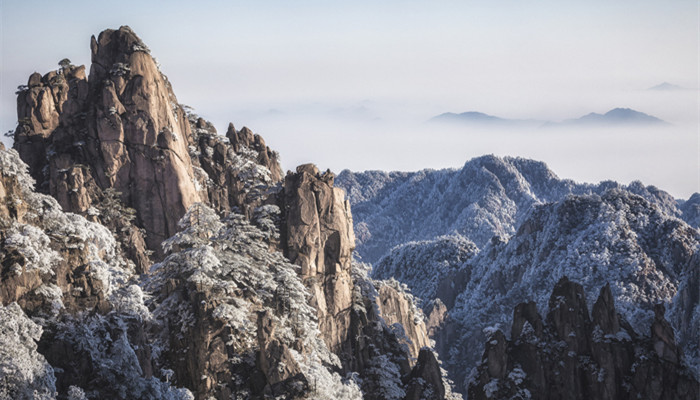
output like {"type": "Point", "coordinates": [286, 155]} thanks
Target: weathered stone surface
{"type": "Point", "coordinates": [319, 238]}
{"type": "Point", "coordinates": [437, 313]}
{"type": "Point", "coordinates": [602, 359]}
{"type": "Point", "coordinates": [526, 313]}
{"type": "Point", "coordinates": [568, 314]}
{"type": "Point", "coordinates": [266, 157]}
{"type": "Point", "coordinates": [235, 173]}
{"type": "Point", "coordinates": [425, 381]}
{"type": "Point", "coordinates": [604, 314]}
{"type": "Point", "coordinates": [663, 337]}
{"type": "Point", "coordinates": [120, 129]}
{"type": "Point", "coordinates": [396, 308]}
{"type": "Point", "coordinates": [141, 133]}
{"type": "Point", "coordinates": [277, 362]}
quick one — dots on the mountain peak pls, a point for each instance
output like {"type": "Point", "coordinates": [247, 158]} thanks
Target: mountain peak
{"type": "Point", "coordinates": [614, 117]}
{"type": "Point", "coordinates": [666, 86]}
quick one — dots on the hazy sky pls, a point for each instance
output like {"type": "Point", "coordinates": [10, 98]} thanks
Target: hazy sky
{"type": "Point", "coordinates": [351, 84]}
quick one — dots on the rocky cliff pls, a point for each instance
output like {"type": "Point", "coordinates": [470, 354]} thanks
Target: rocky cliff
{"type": "Point", "coordinates": [319, 238]}
{"type": "Point", "coordinates": [119, 135]}
{"type": "Point", "coordinates": [255, 294]}
{"type": "Point", "coordinates": [70, 276]}
{"type": "Point", "coordinates": [576, 355]}
{"type": "Point", "coordinates": [120, 128]}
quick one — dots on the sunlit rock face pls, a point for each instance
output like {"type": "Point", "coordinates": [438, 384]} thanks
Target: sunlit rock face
{"type": "Point", "coordinates": [122, 129]}
{"type": "Point", "coordinates": [319, 238]}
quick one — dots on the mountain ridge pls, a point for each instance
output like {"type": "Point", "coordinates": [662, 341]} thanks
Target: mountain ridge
{"type": "Point", "coordinates": [155, 258]}
{"type": "Point", "coordinates": [614, 117]}
{"type": "Point", "coordinates": [224, 310]}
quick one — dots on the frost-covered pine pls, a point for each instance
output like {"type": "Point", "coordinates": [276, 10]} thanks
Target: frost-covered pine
{"type": "Point", "coordinates": [423, 265]}
{"type": "Point", "coordinates": [196, 227]}
{"type": "Point", "coordinates": [24, 373]}
{"type": "Point", "coordinates": [229, 263]}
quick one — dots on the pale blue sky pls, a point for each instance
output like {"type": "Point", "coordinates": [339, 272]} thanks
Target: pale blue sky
{"type": "Point", "coordinates": [350, 83]}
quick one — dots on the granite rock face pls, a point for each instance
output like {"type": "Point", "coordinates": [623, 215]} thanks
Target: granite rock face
{"type": "Point", "coordinates": [319, 238]}
{"type": "Point", "coordinates": [578, 356]}
{"type": "Point", "coordinates": [234, 173]}
{"type": "Point", "coordinates": [139, 133]}
{"type": "Point", "coordinates": [246, 139]}
{"type": "Point", "coordinates": [425, 381]}
{"type": "Point", "coordinates": [398, 310]}
{"type": "Point", "coordinates": [119, 136]}
{"type": "Point", "coordinates": [120, 129]}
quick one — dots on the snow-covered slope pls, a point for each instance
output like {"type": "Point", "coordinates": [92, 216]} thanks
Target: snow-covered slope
{"type": "Point", "coordinates": [532, 228]}
{"type": "Point", "coordinates": [430, 267]}
{"type": "Point", "coordinates": [487, 197]}
{"type": "Point", "coordinates": [618, 238]}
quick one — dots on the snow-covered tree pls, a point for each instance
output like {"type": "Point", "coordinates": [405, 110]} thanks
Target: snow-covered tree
{"type": "Point", "coordinates": [24, 373]}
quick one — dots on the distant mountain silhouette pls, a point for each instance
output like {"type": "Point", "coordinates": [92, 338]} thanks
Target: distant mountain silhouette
{"type": "Point", "coordinates": [666, 86]}
{"type": "Point", "coordinates": [614, 117]}
{"type": "Point", "coordinates": [481, 119]}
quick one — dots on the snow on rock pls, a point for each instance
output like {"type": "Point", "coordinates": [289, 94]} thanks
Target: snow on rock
{"type": "Point", "coordinates": [489, 196]}
{"type": "Point", "coordinates": [618, 238]}
{"type": "Point", "coordinates": [431, 268]}
{"type": "Point", "coordinates": [24, 373]}
{"type": "Point", "coordinates": [218, 280]}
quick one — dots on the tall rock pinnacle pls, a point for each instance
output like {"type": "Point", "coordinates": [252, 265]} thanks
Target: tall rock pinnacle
{"type": "Point", "coordinates": [120, 129]}
{"type": "Point", "coordinates": [320, 239]}
{"type": "Point", "coordinates": [142, 133]}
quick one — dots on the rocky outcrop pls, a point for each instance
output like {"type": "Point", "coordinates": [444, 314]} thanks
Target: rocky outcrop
{"type": "Point", "coordinates": [235, 173]}
{"type": "Point", "coordinates": [119, 129]}
{"type": "Point", "coordinates": [245, 139]}
{"type": "Point", "coordinates": [69, 275]}
{"type": "Point", "coordinates": [573, 355]}
{"type": "Point", "coordinates": [44, 254]}
{"type": "Point", "coordinates": [319, 238]}
{"type": "Point", "coordinates": [436, 315]}
{"type": "Point", "coordinates": [140, 134]}
{"type": "Point", "coordinates": [119, 136]}
{"type": "Point", "coordinates": [277, 362]}
{"type": "Point", "coordinates": [398, 310]}
{"type": "Point", "coordinates": [425, 381]}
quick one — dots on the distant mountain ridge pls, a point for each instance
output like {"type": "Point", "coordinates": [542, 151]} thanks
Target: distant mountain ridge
{"type": "Point", "coordinates": [479, 118]}
{"type": "Point", "coordinates": [615, 117]}
{"type": "Point", "coordinates": [666, 86]}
